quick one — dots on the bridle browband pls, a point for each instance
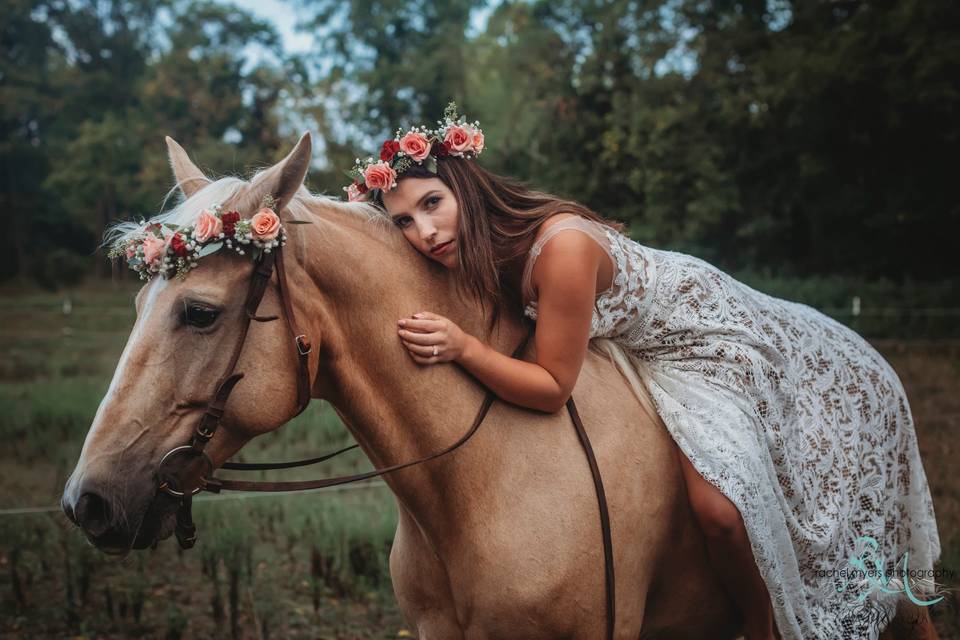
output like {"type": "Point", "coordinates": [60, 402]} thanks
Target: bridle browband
{"type": "Point", "coordinates": [171, 483]}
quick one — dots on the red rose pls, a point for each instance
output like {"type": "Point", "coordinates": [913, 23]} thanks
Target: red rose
{"type": "Point", "coordinates": [230, 219]}
{"type": "Point", "coordinates": [389, 149]}
{"type": "Point", "coordinates": [178, 246]}
{"type": "Point", "coordinates": [441, 150]}
{"type": "Point", "coordinates": [361, 187]}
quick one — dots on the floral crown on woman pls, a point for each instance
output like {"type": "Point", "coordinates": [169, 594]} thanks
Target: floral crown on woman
{"type": "Point", "coordinates": [421, 146]}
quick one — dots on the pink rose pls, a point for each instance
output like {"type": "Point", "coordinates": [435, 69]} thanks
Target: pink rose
{"type": "Point", "coordinates": [380, 176]}
{"type": "Point", "coordinates": [459, 138]}
{"type": "Point", "coordinates": [415, 145]}
{"type": "Point", "coordinates": [131, 250]}
{"type": "Point", "coordinates": [153, 249]}
{"type": "Point", "coordinates": [477, 140]}
{"type": "Point", "coordinates": [208, 226]}
{"type": "Point", "coordinates": [353, 192]}
{"type": "Point", "coordinates": [265, 224]}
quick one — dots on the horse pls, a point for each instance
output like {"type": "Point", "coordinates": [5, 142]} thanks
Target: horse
{"type": "Point", "coordinates": [498, 539]}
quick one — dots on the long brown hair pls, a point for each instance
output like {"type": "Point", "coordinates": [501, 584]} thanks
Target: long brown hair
{"type": "Point", "coordinates": [499, 219]}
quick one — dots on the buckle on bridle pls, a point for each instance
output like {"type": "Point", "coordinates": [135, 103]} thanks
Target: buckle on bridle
{"type": "Point", "coordinates": [303, 347]}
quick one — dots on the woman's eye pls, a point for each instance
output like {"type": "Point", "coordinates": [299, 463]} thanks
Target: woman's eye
{"type": "Point", "coordinates": [402, 221]}
{"type": "Point", "coordinates": [432, 200]}
{"type": "Point", "coordinates": [198, 316]}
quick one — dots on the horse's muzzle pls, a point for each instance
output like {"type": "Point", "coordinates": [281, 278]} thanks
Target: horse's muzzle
{"type": "Point", "coordinates": [117, 533]}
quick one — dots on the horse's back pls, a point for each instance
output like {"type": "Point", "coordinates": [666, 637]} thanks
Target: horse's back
{"type": "Point", "coordinates": [529, 554]}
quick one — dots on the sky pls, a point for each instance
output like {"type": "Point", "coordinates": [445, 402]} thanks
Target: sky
{"type": "Point", "coordinates": [284, 17]}
{"type": "Point", "coordinates": [284, 14]}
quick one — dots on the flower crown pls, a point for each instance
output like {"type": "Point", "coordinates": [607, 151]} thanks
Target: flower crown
{"type": "Point", "coordinates": [171, 250]}
{"type": "Point", "coordinates": [418, 145]}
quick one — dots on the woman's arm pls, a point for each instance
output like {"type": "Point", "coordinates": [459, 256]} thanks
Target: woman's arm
{"type": "Point", "coordinates": [565, 277]}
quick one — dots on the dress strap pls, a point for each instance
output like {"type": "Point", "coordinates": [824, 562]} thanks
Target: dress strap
{"type": "Point", "coordinates": [593, 229]}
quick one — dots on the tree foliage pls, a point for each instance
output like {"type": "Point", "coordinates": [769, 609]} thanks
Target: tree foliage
{"type": "Point", "coordinates": [89, 90]}
{"type": "Point", "coordinates": [778, 136]}
{"type": "Point", "coordinates": [799, 138]}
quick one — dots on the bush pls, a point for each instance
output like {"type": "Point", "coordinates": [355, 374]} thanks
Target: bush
{"type": "Point", "coordinates": [888, 309]}
{"type": "Point", "coordinates": [60, 268]}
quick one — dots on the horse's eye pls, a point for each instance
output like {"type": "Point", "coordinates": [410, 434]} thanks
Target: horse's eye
{"type": "Point", "coordinates": [199, 316]}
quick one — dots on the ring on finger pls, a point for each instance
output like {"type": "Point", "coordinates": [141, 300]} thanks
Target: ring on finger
{"type": "Point", "coordinates": [436, 351]}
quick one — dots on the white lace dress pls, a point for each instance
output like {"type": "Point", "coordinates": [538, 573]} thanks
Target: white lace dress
{"type": "Point", "coordinates": [793, 416]}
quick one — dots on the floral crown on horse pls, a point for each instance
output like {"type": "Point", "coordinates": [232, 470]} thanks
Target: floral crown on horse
{"type": "Point", "coordinates": [171, 250]}
{"type": "Point", "coordinates": [421, 146]}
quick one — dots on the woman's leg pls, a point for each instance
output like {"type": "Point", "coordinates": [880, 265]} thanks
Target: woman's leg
{"type": "Point", "coordinates": [729, 549]}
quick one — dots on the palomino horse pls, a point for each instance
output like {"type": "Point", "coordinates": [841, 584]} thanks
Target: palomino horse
{"type": "Point", "coordinates": [499, 539]}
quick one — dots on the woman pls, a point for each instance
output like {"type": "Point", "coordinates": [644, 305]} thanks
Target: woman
{"type": "Point", "coordinates": [765, 398]}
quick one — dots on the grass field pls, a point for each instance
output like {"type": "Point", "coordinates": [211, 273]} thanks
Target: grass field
{"type": "Point", "coordinates": [298, 566]}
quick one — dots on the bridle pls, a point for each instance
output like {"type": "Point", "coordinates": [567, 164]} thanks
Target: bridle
{"type": "Point", "coordinates": [171, 481]}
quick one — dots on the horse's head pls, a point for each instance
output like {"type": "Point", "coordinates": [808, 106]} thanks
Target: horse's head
{"type": "Point", "coordinates": [181, 344]}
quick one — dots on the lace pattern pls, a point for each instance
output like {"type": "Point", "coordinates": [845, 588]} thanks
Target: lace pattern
{"type": "Point", "coordinates": [793, 416]}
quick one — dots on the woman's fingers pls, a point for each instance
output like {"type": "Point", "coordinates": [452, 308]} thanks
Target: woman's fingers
{"type": "Point", "coordinates": [420, 338]}
{"type": "Point", "coordinates": [423, 326]}
{"type": "Point", "coordinates": [424, 359]}
{"type": "Point", "coordinates": [421, 350]}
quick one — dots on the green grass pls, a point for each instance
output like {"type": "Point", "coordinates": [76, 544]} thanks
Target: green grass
{"type": "Point", "coordinates": [292, 566]}
{"type": "Point", "coordinates": [303, 565]}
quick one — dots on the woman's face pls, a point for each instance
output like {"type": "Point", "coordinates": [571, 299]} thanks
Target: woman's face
{"type": "Point", "coordinates": [427, 213]}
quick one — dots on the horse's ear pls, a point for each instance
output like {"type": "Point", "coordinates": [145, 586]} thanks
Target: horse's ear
{"type": "Point", "coordinates": [284, 178]}
{"type": "Point", "coordinates": [189, 178]}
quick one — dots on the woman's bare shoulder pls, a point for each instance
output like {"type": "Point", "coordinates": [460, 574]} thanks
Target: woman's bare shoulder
{"type": "Point", "coordinates": [565, 255]}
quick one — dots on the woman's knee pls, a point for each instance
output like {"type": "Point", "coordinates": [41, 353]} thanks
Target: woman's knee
{"type": "Point", "coordinates": [717, 516]}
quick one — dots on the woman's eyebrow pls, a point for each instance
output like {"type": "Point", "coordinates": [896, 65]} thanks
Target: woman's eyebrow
{"type": "Point", "coordinates": [416, 206]}
{"type": "Point", "coordinates": [425, 196]}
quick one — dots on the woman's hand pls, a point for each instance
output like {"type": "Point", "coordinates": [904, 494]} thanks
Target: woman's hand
{"type": "Point", "coordinates": [431, 338]}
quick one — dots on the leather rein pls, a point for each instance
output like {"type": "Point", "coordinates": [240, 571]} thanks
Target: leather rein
{"type": "Point", "coordinates": [172, 483]}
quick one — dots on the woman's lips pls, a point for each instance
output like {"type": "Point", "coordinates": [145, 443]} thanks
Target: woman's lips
{"type": "Point", "coordinates": [441, 249]}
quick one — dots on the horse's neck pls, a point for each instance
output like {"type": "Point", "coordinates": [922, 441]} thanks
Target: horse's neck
{"type": "Point", "coordinates": [397, 410]}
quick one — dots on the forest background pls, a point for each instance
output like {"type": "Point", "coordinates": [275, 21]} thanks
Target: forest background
{"type": "Point", "coordinates": [808, 147]}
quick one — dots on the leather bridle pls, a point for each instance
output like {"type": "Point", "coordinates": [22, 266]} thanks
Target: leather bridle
{"type": "Point", "coordinates": [171, 481]}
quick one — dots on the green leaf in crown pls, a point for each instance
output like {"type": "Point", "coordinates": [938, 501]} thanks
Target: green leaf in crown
{"type": "Point", "coordinates": [450, 113]}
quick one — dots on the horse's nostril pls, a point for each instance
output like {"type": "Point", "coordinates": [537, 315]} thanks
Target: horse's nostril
{"type": "Point", "coordinates": [92, 513]}
{"type": "Point", "coordinates": [68, 510]}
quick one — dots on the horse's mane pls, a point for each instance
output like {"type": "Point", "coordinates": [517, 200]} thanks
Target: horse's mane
{"type": "Point", "coordinates": [304, 206]}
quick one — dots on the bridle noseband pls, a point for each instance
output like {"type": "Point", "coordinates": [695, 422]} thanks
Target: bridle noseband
{"type": "Point", "coordinates": [170, 480]}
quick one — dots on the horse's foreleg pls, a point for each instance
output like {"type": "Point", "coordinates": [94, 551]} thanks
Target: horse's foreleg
{"type": "Point", "coordinates": [421, 585]}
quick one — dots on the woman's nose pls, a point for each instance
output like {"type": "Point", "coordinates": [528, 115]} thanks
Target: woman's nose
{"type": "Point", "coordinates": [427, 230]}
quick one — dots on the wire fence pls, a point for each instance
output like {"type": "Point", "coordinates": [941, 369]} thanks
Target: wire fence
{"type": "Point", "coordinates": [370, 484]}
{"type": "Point", "coordinates": [907, 323]}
